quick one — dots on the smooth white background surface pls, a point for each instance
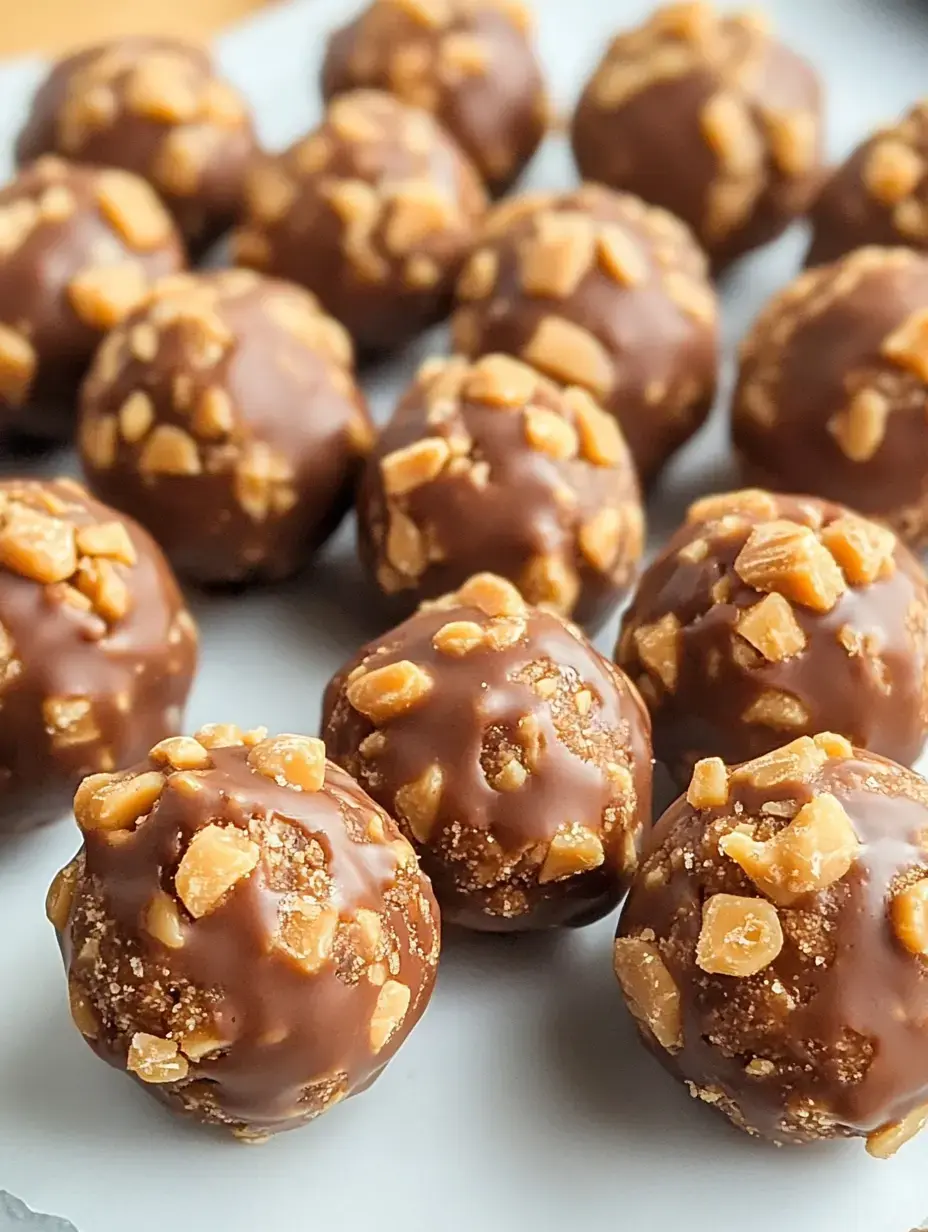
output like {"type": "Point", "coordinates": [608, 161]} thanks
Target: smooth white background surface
{"type": "Point", "coordinates": [523, 1100]}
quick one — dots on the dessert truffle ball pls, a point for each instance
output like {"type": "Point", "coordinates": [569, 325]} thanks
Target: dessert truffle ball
{"type": "Point", "coordinates": [772, 948]}
{"type": "Point", "coordinates": [155, 107]}
{"type": "Point", "coordinates": [879, 195]}
{"type": "Point", "coordinates": [833, 384]}
{"type": "Point", "coordinates": [224, 417]}
{"type": "Point", "coordinates": [766, 617]}
{"type": "Point", "coordinates": [709, 116]}
{"type": "Point", "coordinates": [515, 757]}
{"type": "Point", "coordinates": [595, 289]}
{"type": "Point", "coordinates": [489, 466]}
{"type": "Point", "coordinates": [244, 930]}
{"type": "Point", "coordinates": [373, 212]}
{"type": "Point", "coordinates": [471, 64]}
{"type": "Point", "coordinates": [97, 651]}
{"type": "Point", "coordinates": [79, 248]}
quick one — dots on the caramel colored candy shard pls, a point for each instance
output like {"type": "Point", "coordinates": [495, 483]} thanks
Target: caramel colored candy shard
{"type": "Point", "coordinates": [884, 1142]}
{"type": "Point", "coordinates": [387, 692]}
{"type": "Point", "coordinates": [162, 920]}
{"type": "Point", "coordinates": [109, 539]}
{"type": "Point", "coordinates": [500, 380]}
{"type": "Point", "coordinates": [861, 428]}
{"type": "Point", "coordinates": [814, 851]}
{"type": "Point", "coordinates": [908, 345]}
{"type": "Point", "coordinates": [37, 546]}
{"type": "Point", "coordinates": [83, 1014]}
{"type": "Point", "coordinates": [892, 170]}
{"type": "Point", "coordinates": [459, 638]}
{"type": "Point", "coordinates": [574, 849]}
{"type": "Point", "coordinates": [709, 785]}
{"type": "Point", "coordinates": [415, 465]}
{"type": "Point", "coordinates": [909, 913]}
{"type": "Point", "coordinates": [417, 803]}
{"type": "Point", "coordinates": [60, 896]}
{"type": "Point", "coordinates": [649, 989]}
{"type": "Point", "coordinates": [181, 753]}
{"type": "Point", "coordinates": [571, 354]}
{"type": "Point", "coordinates": [132, 207]}
{"type": "Point", "coordinates": [111, 802]}
{"type": "Point", "coordinates": [601, 440]}
{"type": "Point", "coordinates": [796, 762]}
{"type": "Point", "coordinates": [102, 296]}
{"type": "Point", "coordinates": [864, 550]}
{"type": "Point", "coordinates": [788, 559]}
{"type": "Point", "coordinates": [600, 538]}
{"type": "Point", "coordinates": [772, 628]}
{"type": "Point", "coordinates": [658, 647]}
{"type": "Point", "coordinates": [778, 710]}
{"type": "Point", "coordinates": [550, 433]}
{"type": "Point", "coordinates": [739, 936]}
{"type": "Point", "coordinates": [17, 366]}
{"type": "Point", "coordinates": [551, 582]}
{"type": "Point", "coordinates": [107, 591]}
{"type": "Point", "coordinates": [307, 932]}
{"type": "Point", "coordinates": [389, 1012]}
{"type": "Point", "coordinates": [170, 450]}
{"type": "Point", "coordinates": [479, 277]}
{"type": "Point", "coordinates": [297, 762]}
{"type": "Point", "coordinates": [216, 859]}
{"type": "Point", "coordinates": [621, 256]}
{"type": "Point", "coordinates": [493, 595]}
{"type": "Point", "coordinates": [155, 1060]}
{"type": "Point", "coordinates": [557, 258]}
{"type": "Point", "coordinates": [753, 502]}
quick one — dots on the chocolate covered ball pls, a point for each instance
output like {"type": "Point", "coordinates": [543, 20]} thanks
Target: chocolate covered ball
{"type": "Point", "coordinates": [244, 931]}
{"type": "Point", "coordinates": [471, 64]}
{"type": "Point", "coordinates": [97, 650]}
{"type": "Point", "coordinates": [224, 416]}
{"type": "Point", "coordinates": [373, 212]}
{"type": "Point", "coordinates": [490, 466]}
{"type": "Point", "coordinates": [879, 195]}
{"type": "Point", "coordinates": [596, 289]}
{"type": "Point", "coordinates": [832, 388]}
{"type": "Point", "coordinates": [79, 248]}
{"type": "Point", "coordinates": [766, 617]}
{"type": "Point", "coordinates": [513, 755]}
{"type": "Point", "coordinates": [709, 116]}
{"type": "Point", "coordinates": [773, 945]}
{"type": "Point", "coordinates": [155, 107]}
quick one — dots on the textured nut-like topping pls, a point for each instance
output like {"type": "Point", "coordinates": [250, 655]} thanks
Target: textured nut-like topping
{"type": "Point", "coordinates": [558, 257]}
{"type": "Point", "coordinates": [709, 785]}
{"type": "Point", "coordinates": [479, 276]}
{"type": "Point", "coordinates": [658, 647]}
{"type": "Point", "coordinates": [170, 450]}
{"type": "Point", "coordinates": [133, 209]}
{"type": "Point", "coordinates": [103, 586]}
{"type": "Point", "coordinates": [751, 501]}
{"type": "Point", "coordinates": [794, 762]}
{"type": "Point", "coordinates": [570, 354]}
{"type": "Point", "coordinates": [908, 345]}
{"type": "Point", "coordinates": [109, 802]}
{"type": "Point", "coordinates": [102, 296]}
{"type": "Point", "coordinates": [739, 936]}
{"type": "Point", "coordinates": [729, 129]}
{"type": "Point", "coordinates": [307, 932]}
{"type": "Point", "coordinates": [574, 849]}
{"type": "Point", "coordinates": [387, 692]}
{"type": "Point", "coordinates": [787, 558]}
{"type": "Point", "coordinates": [60, 896]}
{"type": "Point", "coordinates": [493, 595]}
{"type": "Point", "coordinates": [884, 1142]}
{"type": "Point", "coordinates": [779, 710]}
{"type": "Point", "coordinates": [909, 912]}
{"type": "Point", "coordinates": [599, 539]}
{"type": "Point", "coordinates": [17, 366]}
{"type": "Point", "coordinates": [417, 464]}
{"type": "Point", "coordinates": [459, 637]}
{"type": "Point", "coordinates": [772, 628]}
{"type": "Point", "coordinates": [601, 440]}
{"type": "Point", "coordinates": [863, 549]}
{"type": "Point", "coordinates": [82, 1012]}
{"type": "Point", "coordinates": [649, 988]}
{"type": "Point", "coordinates": [861, 428]}
{"type": "Point", "coordinates": [621, 256]}
{"type": "Point", "coordinates": [290, 761]}
{"type": "Point", "coordinates": [110, 539]}
{"type": "Point", "coordinates": [37, 546]}
{"type": "Point", "coordinates": [500, 380]}
{"type": "Point", "coordinates": [417, 802]}
{"type": "Point", "coordinates": [181, 753]}
{"type": "Point", "coordinates": [155, 1060]}
{"type": "Point", "coordinates": [389, 1012]}
{"type": "Point", "coordinates": [892, 170]}
{"type": "Point", "coordinates": [136, 415]}
{"type": "Point", "coordinates": [550, 433]}
{"type": "Point", "coordinates": [162, 920]}
{"type": "Point", "coordinates": [814, 851]}
{"type": "Point", "coordinates": [214, 862]}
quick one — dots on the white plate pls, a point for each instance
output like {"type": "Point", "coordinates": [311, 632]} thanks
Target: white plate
{"type": "Point", "coordinates": [523, 1102]}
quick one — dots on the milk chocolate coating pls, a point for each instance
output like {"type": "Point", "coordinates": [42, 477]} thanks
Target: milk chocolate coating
{"type": "Point", "coordinates": [79, 248]}
{"type": "Point", "coordinates": [596, 289]}
{"type": "Point", "coordinates": [710, 117]}
{"type": "Point", "coordinates": [373, 212]}
{"type": "Point", "coordinates": [98, 649]}
{"type": "Point", "coordinates": [831, 391]}
{"type": "Point", "coordinates": [224, 416]}
{"type": "Point", "coordinates": [156, 107]}
{"type": "Point", "coordinates": [827, 1040]}
{"type": "Point", "coordinates": [879, 195]}
{"type": "Point", "coordinates": [277, 985]}
{"type": "Point", "coordinates": [473, 66]}
{"type": "Point", "coordinates": [490, 466]}
{"type": "Point", "coordinates": [513, 755]}
{"type": "Point", "coordinates": [841, 643]}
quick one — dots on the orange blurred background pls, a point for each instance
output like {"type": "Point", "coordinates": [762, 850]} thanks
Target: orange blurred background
{"type": "Point", "coordinates": [30, 26]}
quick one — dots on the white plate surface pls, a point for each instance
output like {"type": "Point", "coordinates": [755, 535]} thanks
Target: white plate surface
{"type": "Point", "coordinates": [522, 1103]}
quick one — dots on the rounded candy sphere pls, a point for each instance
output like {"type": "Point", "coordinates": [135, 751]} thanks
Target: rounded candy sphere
{"type": "Point", "coordinates": [97, 650]}
{"type": "Point", "coordinates": [772, 947]}
{"type": "Point", "coordinates": [514, 756]}
{"type": "Point", "coordinates": [770, 616]}
{"type": "Point", "coordinates": [831, 392]}
{"type": "Point", "coordinates": [79, 248]}
{"type": "Point", "coordinates": [373, 212]}
{"type": "Point", "coordinates": [596, 289]}
{"type": "Point", "coordinates": [472, 65]}
{"type": "Point", "coordinates": [709, 116]}
{"type": "Point", "coordinates": [155, 107]}
{"type": "Point", "coordinates": [244, 931]}
{"type": "Point", "coordinates": [489, 466]}
{"type": "Point", "coordinates": [224, 416]}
